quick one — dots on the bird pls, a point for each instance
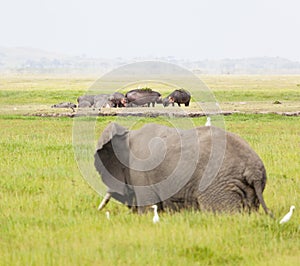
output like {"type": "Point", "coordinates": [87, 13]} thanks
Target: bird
{"type": "Point", "coordinates": [155, 217]}
{"type": "Point", "coordinates": [107, 215]}
{"type": "Point", "coordinates": [208, 122]}
{"type": "Point", "coordinates": [288, 216]}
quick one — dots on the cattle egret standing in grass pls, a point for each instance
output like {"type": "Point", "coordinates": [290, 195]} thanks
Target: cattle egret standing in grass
{"type": "Point", "coordinates": [288, 216]}
{"type": "Point", "coordinates": [155, 217]}
{"type": "Point", "coordinates": [208, 122]}
{"type": "Point", "coordinates": [107, 215]}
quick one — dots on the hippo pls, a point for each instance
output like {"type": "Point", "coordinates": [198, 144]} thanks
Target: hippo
{"type": "Point", "coordinates": [84, 104]}
{"type": "Point", "coordinates": [65, 105]}
{"type": "Point", "coordinates": [102, 100]}
{"type": "Point", "coordinates": [118, 99]}
{"type": "Point", "coordinates": [97, 101]}
{"type": "Point", "coordinates": [179, 97]}
{"type": "Point", "coordinates": [143, 96]}
{"type": "Point", "coordinates": [131, 104]}
{"type": "Point", "coordinates": [85, 100]}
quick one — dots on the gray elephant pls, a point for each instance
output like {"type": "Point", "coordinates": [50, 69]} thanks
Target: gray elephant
{"type": "Point", "coordinates": [204, 168]}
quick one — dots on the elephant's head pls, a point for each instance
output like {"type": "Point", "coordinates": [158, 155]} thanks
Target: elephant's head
{"type": "Point", "coordinates": [112, 159]}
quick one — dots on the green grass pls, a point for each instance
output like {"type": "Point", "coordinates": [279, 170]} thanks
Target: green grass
{"type": "Point", "coordinates": [9, 97]}
{"type": "Point", "coordinates": [52, 89]}
{"type": "Point", "coordinates": [254, 88]}
{"type": "Point", "coordinates": [258, 95]}
{"type": "Point", "coordinates": [48, 212]}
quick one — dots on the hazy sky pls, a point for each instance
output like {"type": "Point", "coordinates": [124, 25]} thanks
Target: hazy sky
{"type": "Point", "coordinates": [203, 29]}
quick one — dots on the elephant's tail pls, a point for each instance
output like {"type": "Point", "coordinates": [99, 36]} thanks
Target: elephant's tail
{"type": "Point", "coordinates": [259, 186]}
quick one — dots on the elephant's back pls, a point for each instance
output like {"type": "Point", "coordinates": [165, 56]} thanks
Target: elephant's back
{"type": "Point", "coordinates": [229, 143]}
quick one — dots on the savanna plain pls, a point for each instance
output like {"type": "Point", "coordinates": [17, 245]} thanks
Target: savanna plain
{"type": "Point", "coordinates": [48, 212]}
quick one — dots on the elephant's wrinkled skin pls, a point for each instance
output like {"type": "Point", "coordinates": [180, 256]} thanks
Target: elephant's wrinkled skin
{"type": "Point", "coordinates": [132, 163]}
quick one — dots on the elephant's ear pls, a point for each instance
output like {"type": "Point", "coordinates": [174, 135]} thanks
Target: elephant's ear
{"type": "Point", "coordinates": [112, 130]}
{"type": "Point", "coordinates": [108, 164]}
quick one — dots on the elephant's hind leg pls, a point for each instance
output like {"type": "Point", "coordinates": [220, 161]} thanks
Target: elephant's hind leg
{"type": "Point", "coordinates": [229, 199]}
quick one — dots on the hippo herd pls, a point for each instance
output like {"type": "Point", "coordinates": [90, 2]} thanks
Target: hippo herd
{"type": "Point", "coordinates": [133, 98]}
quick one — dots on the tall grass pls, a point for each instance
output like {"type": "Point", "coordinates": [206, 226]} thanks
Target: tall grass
{"type": "Point", "coordinates": [48, 213]}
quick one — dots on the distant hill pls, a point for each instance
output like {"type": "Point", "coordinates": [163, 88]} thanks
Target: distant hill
{"type": "Point", "coordinates": [23, 59]}
{"type": "Point", "coordinates": [256, 65]}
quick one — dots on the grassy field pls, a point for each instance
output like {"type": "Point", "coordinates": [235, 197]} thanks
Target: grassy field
{"type": "Point", "coordinates": [26, 94]}
{"type": "Point", "coordinates": [48, 213]}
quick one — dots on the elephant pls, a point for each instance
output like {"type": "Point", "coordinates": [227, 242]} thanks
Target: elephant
{"type": "Point", "coordinates": [143, 96]}
{"type": "Point", "coordinates": [179, 97]}
{"type": "Point", "coordinates": [203, 168]}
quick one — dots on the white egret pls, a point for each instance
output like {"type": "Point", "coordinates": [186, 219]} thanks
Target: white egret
{"type": "Point", "coordinates": [107, 215]}
{"type": "Point", "coordinates": [208, 122]}
{"type": "Point", "coordinates": [288, 216]}
{"type": "Point", "coordinates": [155, 217]}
